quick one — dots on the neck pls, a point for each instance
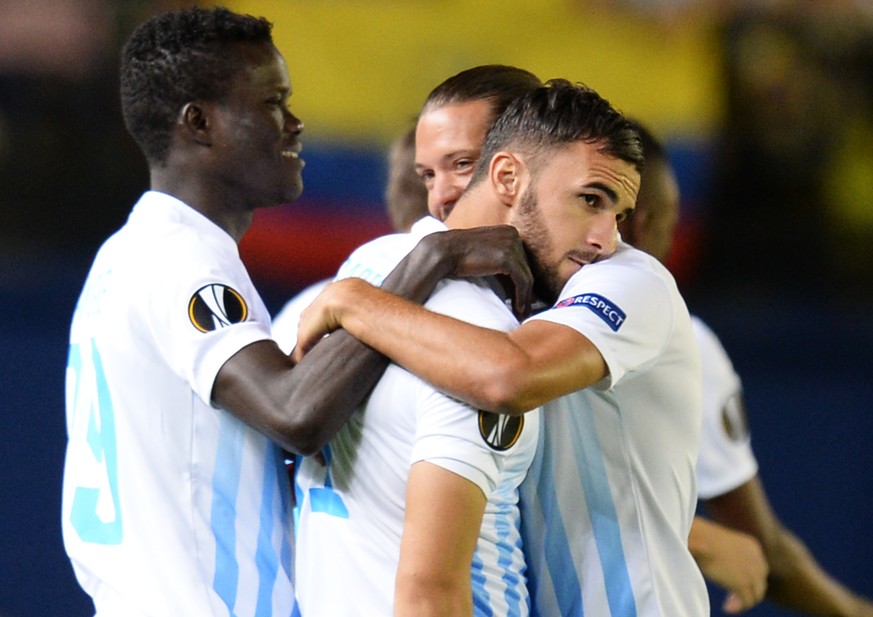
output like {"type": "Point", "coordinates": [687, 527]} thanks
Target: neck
{"type": "Point", "coordinates": [477, 208]}
{"type": "Point", "coordinates": [198, 196]}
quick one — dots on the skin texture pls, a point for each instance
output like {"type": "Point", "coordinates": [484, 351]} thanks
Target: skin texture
{"type": "Point", "coordinates": [433, 576]}
{"type": "Point", "coordinates": [732, 560]}
{"type": "Point", "coordinates": [795, 580]}
{"type": "Point", "coordinates": [448, 144]}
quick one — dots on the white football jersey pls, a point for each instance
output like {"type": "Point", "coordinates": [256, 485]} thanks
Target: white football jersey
{"type": "Point", "coordinates": [726, 457]}
{"type": "Point", "coordinates": [170, 505]}
{"type": "Point", "coordinates": [609, 500]}
{"type": "Point", "coordinates": [351, 508]}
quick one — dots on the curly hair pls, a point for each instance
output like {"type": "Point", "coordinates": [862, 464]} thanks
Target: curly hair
{"type": "Point", "coordinates": [559, 113]}
{"type": "Point", "coordinates": [177, 57]}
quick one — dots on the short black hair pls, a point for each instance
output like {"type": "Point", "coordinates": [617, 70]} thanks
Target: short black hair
{"type": "Point", "coordinates": [177, 57]}
{"type": "Point", "coordinates": [500, 84]}
{"type": "Point", "coordinates": [558, 113]}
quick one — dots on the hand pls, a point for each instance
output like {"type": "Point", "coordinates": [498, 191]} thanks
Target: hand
{"type": "Point", "coordinates": [732, 560]}
{"type": "Point", "coordinates": [486, 251]}
{"type": "Point", "coordinates": [319, 318]}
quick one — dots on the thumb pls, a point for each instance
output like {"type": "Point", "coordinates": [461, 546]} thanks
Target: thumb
{"type": "Point", "coordinates": [733, 604]}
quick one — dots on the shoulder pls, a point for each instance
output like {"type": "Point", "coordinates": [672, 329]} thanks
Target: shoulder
{"type": "Point", "coordinates": [374, 260]}
{"type": "Point", "coordinates": [473, 301]}
{"type": "Point", "coordinates": [626, 264]}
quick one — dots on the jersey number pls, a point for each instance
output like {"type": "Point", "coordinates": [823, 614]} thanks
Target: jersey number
{"type": "Point", "coordinates": [91, 396]}
{"type": "Point", "coordinates": [325, 499]}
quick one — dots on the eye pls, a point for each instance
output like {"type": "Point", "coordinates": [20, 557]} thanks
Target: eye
{"type": "Point", "coordinates": [465, 164]}
{"type": "Point", "coordinates": [590, 199]}
{"type": "Point", "coordinates": [426, 177]}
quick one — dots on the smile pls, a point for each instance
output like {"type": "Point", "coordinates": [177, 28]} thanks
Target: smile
{"type": "Point", "coordinates": [291, 151]}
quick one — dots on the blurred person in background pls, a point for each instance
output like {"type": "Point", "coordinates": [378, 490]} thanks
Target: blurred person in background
{"type": "Point", "coordinates": [728, 483]}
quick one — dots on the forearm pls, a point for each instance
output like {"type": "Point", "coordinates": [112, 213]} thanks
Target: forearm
{"type": "Point", "coordinates": [420, 599]}
{"type": "Point", "coordinates": [465, 361]}
{"type": "Point", "coordinates": [799, 583]}
{"type": "Point", "coordinates": [333, 379]}
{"type": "Point", "coordinates": [731, 559]}
{"type": "Point", "coordinates": [330, 383]}
{"type": "Point", "coordinates": [796, 580]}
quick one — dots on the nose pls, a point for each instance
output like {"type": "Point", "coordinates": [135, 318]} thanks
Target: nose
{"type": "Point", "coordinates": [603, 234]}
{"type": "Point", "coordinates": [293, 124]}
{"type": "Point", "coordinates": [442, 195]}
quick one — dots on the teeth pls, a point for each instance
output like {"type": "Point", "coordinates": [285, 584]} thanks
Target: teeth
{"type": "Point", "coordinates": [289, 154]}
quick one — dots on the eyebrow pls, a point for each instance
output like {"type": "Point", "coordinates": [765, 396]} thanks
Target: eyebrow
{"type": "Point", "coordinates": [610, 193]}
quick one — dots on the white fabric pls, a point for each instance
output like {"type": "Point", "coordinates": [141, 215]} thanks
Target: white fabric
{"type": "Point", "coordinates": [170, 506]}
{"type": "Point", "coordinates": [609, 500]}
{"type": "Point", "coordinates": [351, 519]}
{"type": "Point", "coordinates": [726, 458]}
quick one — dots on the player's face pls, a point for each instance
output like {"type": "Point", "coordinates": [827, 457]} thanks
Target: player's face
{"type": "Point", "coordinates": [567, 216]}
{"type": "Point", "coordinates": [256, 136]}
{"type": "Point", "coordinates": [448, 144]}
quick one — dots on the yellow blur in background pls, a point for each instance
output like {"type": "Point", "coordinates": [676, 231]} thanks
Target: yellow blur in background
{"type": "Point", "coordinates": [361, 68]}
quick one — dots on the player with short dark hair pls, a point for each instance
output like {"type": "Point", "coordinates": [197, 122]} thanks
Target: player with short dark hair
{"type": "Point", "coordinates": [179, 404]}
{"type": "Point", "coordinates": [420, 490]}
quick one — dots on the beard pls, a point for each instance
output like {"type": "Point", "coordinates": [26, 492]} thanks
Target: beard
{"type": "Point", "coordinates": [538, 245]}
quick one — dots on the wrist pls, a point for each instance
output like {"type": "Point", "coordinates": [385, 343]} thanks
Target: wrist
{"type": "Point", "coordinates": [438, 254]}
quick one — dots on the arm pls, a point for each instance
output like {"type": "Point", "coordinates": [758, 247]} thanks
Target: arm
{"type": "Point", "coordinates": [441, 526]}
{"type": "Point", "coordinates": [731, 559]}
{"type": "Point", "coordinates": [503, 372]}
{"type": "Point", "coordinates": [301, 409]}
{"type": "Point", "coordinates": [796, 580]}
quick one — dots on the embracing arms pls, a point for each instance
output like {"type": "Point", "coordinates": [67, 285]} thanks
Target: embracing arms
{"type": "Point", "coordinates": [301, 407]}
{"type": "Point", "coordinates": [503, 372]}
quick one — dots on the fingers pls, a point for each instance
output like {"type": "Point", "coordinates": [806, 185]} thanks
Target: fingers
{"type": "Point", "coordinates": [523, 294]}
{"type": "Point", "coordinates": [733, 604]}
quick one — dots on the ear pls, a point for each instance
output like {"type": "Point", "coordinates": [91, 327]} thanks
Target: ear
{"type": "Point", "coordinates": [196, 123]}
{"type": "Point", "coordinates": [505, 173]}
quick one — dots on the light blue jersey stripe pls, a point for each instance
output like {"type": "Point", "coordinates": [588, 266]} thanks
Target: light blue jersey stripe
{"type": "Point", "coordinates": [601, 509]}
{"type": "Point", "coordinates": [559, 557]}
{"type": "Point", "coordinates": [506, 549]}
{"type": "Point", "coordinates": [481, 597]}
{"type": "Point", "coordinates": [266, 558]}
{"type": "Point", "coordinates": [225, 486]}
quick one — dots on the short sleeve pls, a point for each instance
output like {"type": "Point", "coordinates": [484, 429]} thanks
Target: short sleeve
{"type": "Point", "coordinates": [726, 459]}
{"type": "Point", "coordinates": [203, 312]}
{"type": "Point", "coordinates": [625, 311]}
{"type": "Point", "coordinates": [453, 435]}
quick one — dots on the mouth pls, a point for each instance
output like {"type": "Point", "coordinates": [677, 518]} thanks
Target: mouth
{"type": "Point", "coordinates": [578, 260]}
{"type": "Point", "coordinates": [292, 151]}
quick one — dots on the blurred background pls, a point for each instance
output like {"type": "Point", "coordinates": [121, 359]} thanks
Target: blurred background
{"type": "Point", "coordinates": [766, 108]}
